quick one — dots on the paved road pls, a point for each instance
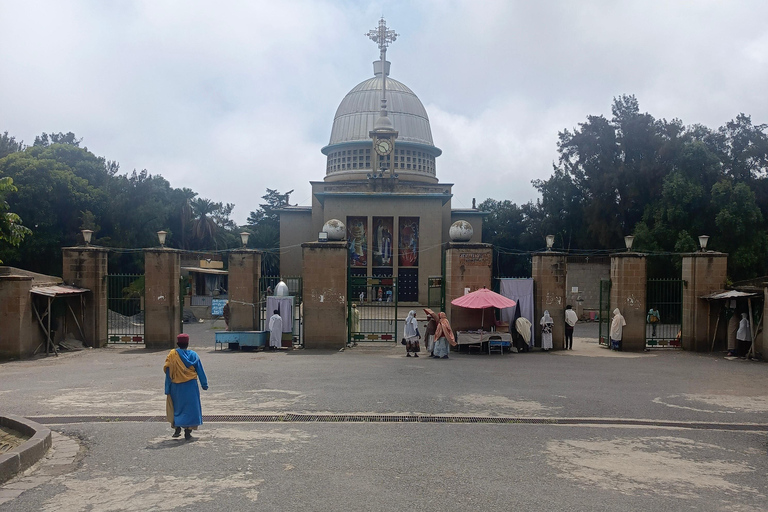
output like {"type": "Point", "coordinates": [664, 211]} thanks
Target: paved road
{"type": "Point", "coordinates": [699, 440]}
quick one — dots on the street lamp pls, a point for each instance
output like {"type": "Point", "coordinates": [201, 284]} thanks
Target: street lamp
{"type": "Point", "coordinates": [550, 242]}
{"type": "Point", "coordinates": [161, 236]}
{"type": "Point", "coordinates": [703, 239]}
{"type": "Point", "coordinates": [628, 241]}
{"type": "Point", "coordinates": [87, 236]}
{"type": "Point", "coordinates": [244, 238]}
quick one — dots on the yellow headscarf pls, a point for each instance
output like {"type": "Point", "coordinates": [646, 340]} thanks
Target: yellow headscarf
{"type": "Point", "coordinates": [177, 371]}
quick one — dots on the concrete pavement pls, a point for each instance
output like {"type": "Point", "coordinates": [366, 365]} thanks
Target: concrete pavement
{"type": "Point", "coordinates": [699, 441]}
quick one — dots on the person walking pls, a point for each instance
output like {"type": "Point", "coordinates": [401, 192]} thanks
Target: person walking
{"type": "Point", "coordinates": [743, 336]}
{"type": "Point", "coordinates": [570, 323]}
{"type": "Point", "coordinates": [182, 370]}
{"type": "Point", "coordinates": [546, 324]}
{"type": "Point", "coordinates": [275, 331]}
{"type": "Point", "coordinates": [443, 337]}
{"type": "Point", "coordinates": [617, 329]}
{"type": "Point", "coordinates": [411, 335]}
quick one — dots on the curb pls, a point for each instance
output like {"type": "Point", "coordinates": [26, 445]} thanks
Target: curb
{"type": "Point", "coordinates": [31, 451]}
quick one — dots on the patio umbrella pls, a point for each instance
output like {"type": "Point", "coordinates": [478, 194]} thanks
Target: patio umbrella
{"type": "Point", "coordinates": [483, 298]}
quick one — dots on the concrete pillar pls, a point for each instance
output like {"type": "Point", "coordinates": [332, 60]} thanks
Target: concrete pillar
{"type": "Point", "coordinates": [162, 308]}
{"type": "Point", "coordinates": [628, 293]}
{"type": "Point", "coordinates": [244, 275]}
{"type": "Point", "coordinates": [19, 334]}
{"type": "Point", "coordinates": [548, 270]}
{"type": "Point", "coordinates": [467, 265]}
{"type": "Point", "coordinates": [703, 273]}
{"type": "Point", "coordinates": [86, 267]}
{"type": "Point", "coordinates": [325, 294]}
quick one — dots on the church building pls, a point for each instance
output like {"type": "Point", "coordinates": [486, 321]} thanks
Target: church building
{"type": "Point", "coordinates": [381, 181]}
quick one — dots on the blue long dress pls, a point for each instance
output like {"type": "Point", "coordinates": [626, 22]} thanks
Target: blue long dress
{"type": "Point", "coordinates": [187, 410]}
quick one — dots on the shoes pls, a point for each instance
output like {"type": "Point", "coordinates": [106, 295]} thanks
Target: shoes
{"type": "Point", "coordinates": [444, 357]}
{"type": "Point", "coordinates": [177, 432]}
{"type": "Point", "coordinates": [408, 354]}
{"type": "Point", "coordinates": [187, 434]}
{"type": "Point", "coordinates": [415, 355]}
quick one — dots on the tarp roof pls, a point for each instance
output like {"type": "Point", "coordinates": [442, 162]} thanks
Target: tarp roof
{"type": "Point", "coordinates": [730, 294]}
{"type": "Point", "coordinates": [206, 270]}
{"type": "Point", "coordinates": [58, 290]}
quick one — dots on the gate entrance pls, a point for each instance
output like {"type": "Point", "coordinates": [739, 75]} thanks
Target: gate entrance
{"type": "Point", "coordinates": [664, 318]}
{"type": "Point", "coordinates": [125, 308]}
{"type": "Point", "coordinates": [371, 308]}
{"type": "Point", "coordinates": [267, 285]}
{"type": "Point", "coordinates": [604, 313]}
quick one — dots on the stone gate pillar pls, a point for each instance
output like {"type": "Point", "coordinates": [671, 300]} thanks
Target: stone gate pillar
{"type": "Point", "coordinates": [467, 265]}
{"type": "Point", "coordinates": [19, 335]}
{"type": "Point", "coordinates": [628, 293]}
{"type": "Point", "coordinates": [703, 273]}
{"type": "Point", "coordinates": [244, 275]}
{"type": "Point", "coordinates": [324, 292]}
{"type": "Point", "coordinates": [162, 307]}
{"type": "Point", "coordinates": [86, 267]}
{"type": "Point", "coordinates": [548, 272]}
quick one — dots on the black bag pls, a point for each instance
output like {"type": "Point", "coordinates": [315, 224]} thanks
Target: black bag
{"type": "Point", "coordinates": [403, 342]}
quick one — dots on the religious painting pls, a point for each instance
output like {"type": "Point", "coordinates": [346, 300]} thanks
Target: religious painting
{"type": "Point", "coordinates": [408, 248]}
{"type": "Point", "coordinates": [382, 241]}
{"type": "Point", "coordinates": [357, 241]}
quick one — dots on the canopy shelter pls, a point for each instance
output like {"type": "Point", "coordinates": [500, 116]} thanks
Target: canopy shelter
{"type": "Point", "coordinates": [733, 295]}
{"type": "Point", "coordinates": [49, 294]}
{"type": "Point", "coordinates": [482, 299]}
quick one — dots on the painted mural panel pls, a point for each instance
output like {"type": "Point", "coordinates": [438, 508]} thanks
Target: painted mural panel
{"type": "Point", "coordinates": [357, 240]}
{"type": "Point", "coordinates": [408, 248]}
{"type": "Point", "coordinates": [382, 241]}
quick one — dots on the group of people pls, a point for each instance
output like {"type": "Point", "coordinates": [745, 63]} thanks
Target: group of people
{"type": "Point", "coordinates": [547, 324]}
{"type": "Point", "coordinates": [438, 335]}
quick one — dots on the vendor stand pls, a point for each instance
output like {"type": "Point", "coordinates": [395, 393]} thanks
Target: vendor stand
{"type": "Point", "coordinates": [482, 299]}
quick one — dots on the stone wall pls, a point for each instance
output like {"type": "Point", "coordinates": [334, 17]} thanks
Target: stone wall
{"type": "Point", "coordinates": [244, 274]}
{"type": "Point", "coordinates": [703, 273]}
{"type": "Point", "coordinates": [324, 294]}
{"type": "Point", "coordinates": [467, 265]}
{"type": "Point", "coordinates": [586, 277]}
{"type": "Point", "coordinates": [162, 309]}
{"type": "Point", "coordinates": [19, 335]}
{"type": "Point", "coordinates": [548, 269]}
{"type": "Point", "coordinates": [628, 294]}
{"type": "Point", "coordinates": [86, 267]}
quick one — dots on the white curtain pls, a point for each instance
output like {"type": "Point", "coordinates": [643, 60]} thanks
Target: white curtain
{"type": "Point", "coordinates": [521, 291]}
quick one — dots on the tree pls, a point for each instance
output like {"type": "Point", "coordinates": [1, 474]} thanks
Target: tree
{"type": "Point", "coordinates": [9, 145]}
{"type": "Point", "coordinates": [12, 232]}
{"type": "Point", "coordinates": [264, 226]}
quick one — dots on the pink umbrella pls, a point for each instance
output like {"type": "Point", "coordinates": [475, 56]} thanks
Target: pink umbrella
{"type": "Point", "coordinates": [483, 298]}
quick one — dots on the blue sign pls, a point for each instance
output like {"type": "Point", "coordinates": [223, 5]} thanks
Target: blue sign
{"type": "Point", "coordinates": [217, 307]}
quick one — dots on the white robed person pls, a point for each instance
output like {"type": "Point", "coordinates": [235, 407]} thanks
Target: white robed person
{"type": "Point", "coordinates": [617, 329]}
{"type": "Point", "coordinates": [547, 324]}
{"type": "Point", "coordinates": [275, 331]}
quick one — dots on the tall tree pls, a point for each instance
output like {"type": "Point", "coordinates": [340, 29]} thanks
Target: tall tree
{"type": "Point", "coordinates": [12, 232]}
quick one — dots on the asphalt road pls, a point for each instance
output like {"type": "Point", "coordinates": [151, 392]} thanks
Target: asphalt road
{"type": "Point", "coordinates": [651, 431]}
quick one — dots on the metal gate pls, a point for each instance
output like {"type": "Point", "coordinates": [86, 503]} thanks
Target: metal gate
{"type": "Point", "coordinates": [267, 285]}
{"type": "Point", "coordinates": [371, 308]}
{"type": "Point", "coordinates": [125, 308]}
{"type": "Point", "coordinates": [664, 318]}
{"type": "Point", "coordinates": [604, 313]}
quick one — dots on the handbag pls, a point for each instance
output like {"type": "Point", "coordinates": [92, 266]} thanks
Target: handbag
{"type": "Point", "coordinates": [403, 342]}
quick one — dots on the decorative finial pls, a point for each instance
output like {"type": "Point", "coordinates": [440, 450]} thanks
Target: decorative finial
{"type": "Point", "coordinates": [382, 36]}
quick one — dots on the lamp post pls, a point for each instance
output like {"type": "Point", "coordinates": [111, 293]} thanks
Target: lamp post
{"type": "Point", "coordinates": [628, 241]}
{"type": "Point", "coordinates": [244, 238]}
{"type": "Point", "coordinates": [703, 240]}
{"type": "Point", "coordinates": [550, 242]}
{"type": "Point", "coordinates": [161, 237]}
{"type": "Point", "coordinates": [87, 233]}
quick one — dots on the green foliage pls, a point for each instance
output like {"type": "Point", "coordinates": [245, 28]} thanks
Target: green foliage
{"type": "Point", "coordinates": [663, 182]}
{"type": "Point", "coordinates": [264, 226]}
{"type": "Point", "coordinates": [12, 232]}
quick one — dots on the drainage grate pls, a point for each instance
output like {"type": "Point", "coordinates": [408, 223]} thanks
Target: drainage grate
{"type": "Point", "coordinates": [409, 418]}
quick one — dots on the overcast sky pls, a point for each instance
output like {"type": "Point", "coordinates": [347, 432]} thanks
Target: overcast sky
{"type": "Point", "coordinates": [231, 97]}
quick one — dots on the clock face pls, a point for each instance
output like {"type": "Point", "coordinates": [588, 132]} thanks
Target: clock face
{"type": "Point", "coordinates": [383, 146]}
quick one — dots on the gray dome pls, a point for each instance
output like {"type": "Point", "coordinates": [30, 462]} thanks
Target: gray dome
{"type": "Point", "coordinates": [360, 108]}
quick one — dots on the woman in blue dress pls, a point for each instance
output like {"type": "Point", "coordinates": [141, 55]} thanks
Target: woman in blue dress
{"type": "Point", "coordinates": [182, 404]}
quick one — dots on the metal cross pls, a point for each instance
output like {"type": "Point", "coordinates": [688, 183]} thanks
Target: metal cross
{"type": "Point", "coordinates": [382, 36]}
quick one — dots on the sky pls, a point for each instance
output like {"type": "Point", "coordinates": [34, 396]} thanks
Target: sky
{"type": "Point", "coordinates": [230, 98]}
